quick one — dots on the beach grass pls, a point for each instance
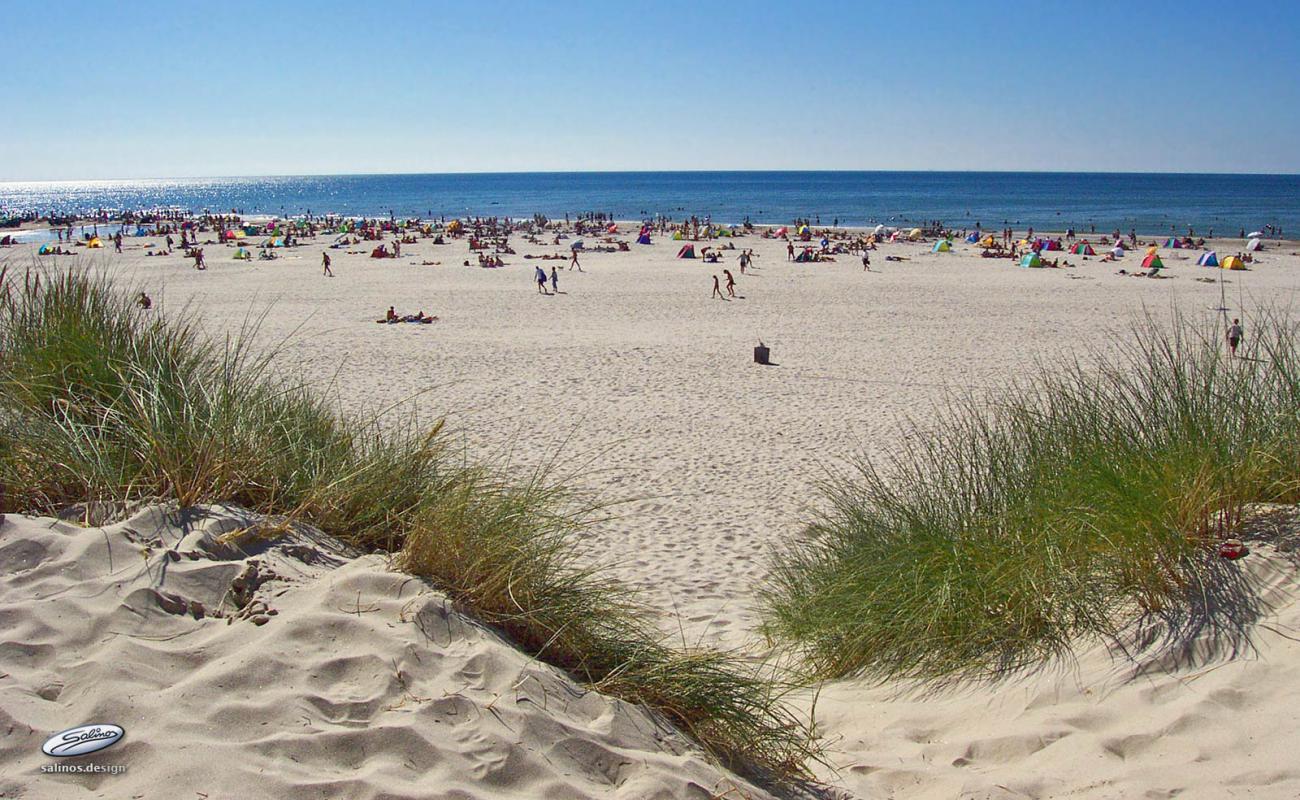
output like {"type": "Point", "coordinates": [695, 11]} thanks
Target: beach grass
{"type": "Point", "coordinates": [104, 402]}
{"type": "Point", "coordinates": [1062, 507]}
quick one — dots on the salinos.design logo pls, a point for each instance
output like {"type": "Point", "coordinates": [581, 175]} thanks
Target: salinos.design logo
{"type": "Point", "coordinates": [82, 739]}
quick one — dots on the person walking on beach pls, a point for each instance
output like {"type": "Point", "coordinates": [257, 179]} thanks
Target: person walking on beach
{"type": "Point", "coordinates": [325, 261]}
{"type": "Point", "coordinates": [731, 283]}
{"type": "Point", "coordinates": [866, 261]}
{"type": "Point", "coordinates": [789, 251]}
{"type": "Point", "coordinates": [573, 262]}
{"type": "Point", "coordinates": [198, 259]}
{"type": "Point", "coordinates": [539, 275]}
{"type": "Point", "coordinates": [1234, 337]}
{"type": "Point", "coordinates": [717, 289]}
{"type": "Point", "coordinates": [744, 261]}
{"type": "Point", "coordinates": [555, 281]}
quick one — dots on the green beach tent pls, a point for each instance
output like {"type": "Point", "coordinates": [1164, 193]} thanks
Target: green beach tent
{"type": "Point", "coordinates": [1031, 260]}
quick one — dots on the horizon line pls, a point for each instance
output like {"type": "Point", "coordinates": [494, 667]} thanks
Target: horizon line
{"type": "Point", "coordinates": [647, 172]}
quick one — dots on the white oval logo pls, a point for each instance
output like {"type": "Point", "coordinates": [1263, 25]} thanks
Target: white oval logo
{"type": "Point", "coordinates": [82, 740]}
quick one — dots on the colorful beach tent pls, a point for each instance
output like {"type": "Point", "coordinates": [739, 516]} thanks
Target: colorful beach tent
{"type": "Point", "coordinates": [1208, 259]}
{"type": "Point", "coordinates": [1232, 262]}
{"type": "Point", "coordinates": [643, 239]}
{"type": "Point", "coordinates": [45, 250]}
{"type": "Point", "coordinates": [576, 244]}
{"type": "Point", "coordinates": [1254, 244]}
{"type": "Point", "coordinates": [914, 234]}
{"type": "Point", "coordinates": [1117, 252]}
{"type": "Point", "coordinates": [1152, 261]}
{"type": "Point", "coordinates": [1083, 249]}
{"type": "Point", "coordinates": [1031, 260]}
{"type": "Point", "coordinates": [988, 241]}
{"type": "Point", "coordinates": [1173, 244]}
{"type": "Point", "coordinates": [95, 242]}
{"type": "Point", "coordinates": [242, 254]}
{"type": "Point", "coordinates": [972, 238]}
{"type": "Point", "coordinates": [687, 251]}
{"type": "Point", "coordinates": [781, 231]}
{"type": "Point", "coordinates": [941, 246]}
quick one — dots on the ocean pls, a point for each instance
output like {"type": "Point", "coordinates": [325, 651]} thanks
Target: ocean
{"type": "Point", "coordinates": [1151, 203]}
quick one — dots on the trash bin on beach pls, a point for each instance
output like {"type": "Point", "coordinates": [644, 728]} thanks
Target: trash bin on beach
{"type": "Point", "coordinates": [761, 354]}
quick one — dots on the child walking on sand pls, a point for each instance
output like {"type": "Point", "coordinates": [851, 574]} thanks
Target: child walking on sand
{"type": "Point", "coordinates": [1234, 337]}
{"type": "Point", "coordinates": [717, 289]}
{"type": "Point", "coordinates": [325, 260]}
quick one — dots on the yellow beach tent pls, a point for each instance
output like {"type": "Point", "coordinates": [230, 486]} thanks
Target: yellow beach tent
{"type": "Point", "coordinates": [914, 234]}
{"type": "Point", "coordinates": [95, 243]}
{"type": "Point", "coordinates": [1232, 262]}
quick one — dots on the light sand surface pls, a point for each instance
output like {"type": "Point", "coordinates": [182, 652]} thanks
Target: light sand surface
{"type": "Point", "coordinates": [644, 386]}
{"type": "Point", "coordinates": [326, 676]}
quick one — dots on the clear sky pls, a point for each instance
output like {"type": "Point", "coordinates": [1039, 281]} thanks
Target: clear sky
{"type": "Point", "coordinates": [179, 88]}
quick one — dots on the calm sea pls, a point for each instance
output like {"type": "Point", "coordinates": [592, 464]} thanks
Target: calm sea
{"type": "Point", "coordinates": [1152, 203]}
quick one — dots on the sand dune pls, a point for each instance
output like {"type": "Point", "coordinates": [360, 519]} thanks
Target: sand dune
{"type": "Point", "coordinates": [283, 666]}
{"type": "Point", "coordinates": [1207, 713]}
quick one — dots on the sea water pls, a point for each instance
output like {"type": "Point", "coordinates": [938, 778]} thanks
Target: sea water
{"type": "Point", "coordinates": [1150, 203]}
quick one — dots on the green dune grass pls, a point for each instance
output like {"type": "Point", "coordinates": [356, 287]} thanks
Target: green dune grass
{"type": "Point", "coordinates": [102, 402]}
{"type": "Point", "coordinates": [1062, 507]}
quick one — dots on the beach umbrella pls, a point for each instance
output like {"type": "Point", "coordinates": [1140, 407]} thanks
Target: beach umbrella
{"type": "Point", "coordinates": [1232, 262]}
{"type": "Point", "coordinates": [1254, 244]}
{"type": "Point", "coordinates": [1254, 234]}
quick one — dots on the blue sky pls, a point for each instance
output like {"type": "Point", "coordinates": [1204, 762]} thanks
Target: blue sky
{"type": "Point", "coordinates": [172, 89]}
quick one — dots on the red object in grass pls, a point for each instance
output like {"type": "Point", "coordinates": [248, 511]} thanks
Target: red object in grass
{"type": "Point", "coordinates": [1232, 549]}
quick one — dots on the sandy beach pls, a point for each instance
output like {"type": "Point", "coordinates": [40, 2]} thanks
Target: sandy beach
{"type": "Point", "coordinates": [634, 385]}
